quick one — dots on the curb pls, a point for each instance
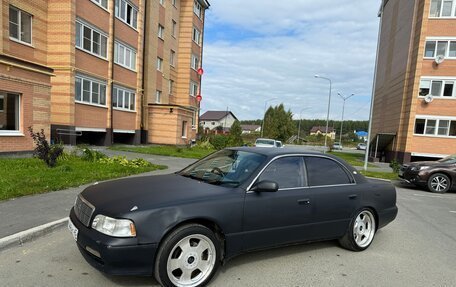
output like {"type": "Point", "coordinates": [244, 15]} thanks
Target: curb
{"type": "Point", "coordinates": [20, 238]}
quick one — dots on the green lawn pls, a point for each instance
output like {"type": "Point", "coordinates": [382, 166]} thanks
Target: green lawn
{"type": "Point", "coordinates": [355, 159]}
{"type": "Point", "coordinates": [383, 175]}
{"type": "Point", "coordinates": [27, 176]}
{"type": "Point", "coordinates": [193, 152]}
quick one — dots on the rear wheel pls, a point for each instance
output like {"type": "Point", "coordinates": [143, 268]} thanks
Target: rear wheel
{"type": "Point", "coordinates": [361, 231]}
{"type": "Point", "coordinates": [188, 257]}
{"type": "Point", "coordinates": [439, 183]}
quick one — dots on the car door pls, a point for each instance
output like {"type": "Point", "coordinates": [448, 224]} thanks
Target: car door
{"type": "Point", "coordinates": [274, 218]}
{"type": "Point", "coordinates": [334, 196]}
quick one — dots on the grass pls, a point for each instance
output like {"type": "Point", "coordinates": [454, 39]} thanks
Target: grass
{"type": "Point", "coordinates": [31, 176]}
{"type": "Point", "coordinates": [193, 152]}
{"type": "Point", "coordinates": [355, 159]}
{"type": "Point", "coordinates": [383, 175]}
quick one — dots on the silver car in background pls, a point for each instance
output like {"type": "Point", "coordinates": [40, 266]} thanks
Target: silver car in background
{"type": "Point", "coordinates": [262, 142]}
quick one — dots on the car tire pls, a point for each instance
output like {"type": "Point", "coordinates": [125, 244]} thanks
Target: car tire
{"type": "Point", "coordinates": [188, 256]}
{"type": "Point", "coordinates": [361, 231]}
{"type": "Point", "coordinates": [439, 183]}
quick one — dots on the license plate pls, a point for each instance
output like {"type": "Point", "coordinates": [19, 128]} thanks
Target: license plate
{"type": "Point", "coordinates": [74, 231]}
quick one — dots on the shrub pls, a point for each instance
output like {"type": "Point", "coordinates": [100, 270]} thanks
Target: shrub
{"type": "Point", "coordinates": [43, 150]}
{"type": "Point", "coordinates": [92, 155]}
{"type": "Point", "coordinates": [123, 161]}
{"type": "Point", "coordinates": [395, 166]}
{"type": "Point", "coordinates": [219, 142]}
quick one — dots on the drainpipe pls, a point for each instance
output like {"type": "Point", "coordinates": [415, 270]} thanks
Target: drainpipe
{"type": "Point", "coordinates": [201, 65]}
{"type": "Point", "coordinates": [143, 84]}
{"type": "Point", "coordinates": [113, 19]}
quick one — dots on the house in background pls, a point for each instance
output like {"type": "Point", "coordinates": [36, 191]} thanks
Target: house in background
{"type": "Point", "coordinates": [362, 135]}
{"type": "Point", "coordinates": [248, 129]}
{"type": "Point", "coordinates": [317, 130]}
{"type": "Point", "coordinates": [215, 120]}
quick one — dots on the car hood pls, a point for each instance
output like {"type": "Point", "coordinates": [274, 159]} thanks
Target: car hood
{"type": "Point", "coordinates": [114, 198]}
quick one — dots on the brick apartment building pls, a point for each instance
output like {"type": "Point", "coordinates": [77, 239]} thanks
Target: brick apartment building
{"type": "Point", "coordinates": [100, 71]}
{"type": "Point", "coordinates": [414, 114]}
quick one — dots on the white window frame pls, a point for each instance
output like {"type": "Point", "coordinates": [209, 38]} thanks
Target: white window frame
{"type": "Point", "coordinates": [174, 28]}
{"type": "Point", "coordinates": [196, 35]}
{"type": "Point", "coordinates": [159, 64]}
{"type": "Point", "coordinates": [162, 2]}
{"type": "Point", "coordinates": [171, 86]}
{"type": "Point", "coordinates": [444, 80]}
{"type": "Point", "coordinates": [184, 129]}
{"type": "Point", "coordinates": [453, 9]}
{"type": "Point", "coordinates": [172, 58]}
{"type": "Point", "coordinates": [158, 96]}
{"type": "Point", "coordinates": [437, 125]}
{"type": "Point", "coordinates": [197, 9]}
{"type": "Point", "coordinates": [194, 125]}
{"type": "Point", "coordinates": [18, 115]}
{"type": "Point", "coordinates": [437, 40]}
{"type": "Point", "coordinates": [125, 93]}
{"type": "Point", "coordinates": [161, 32]}
{"type": "Point", "coordinates": [122, 6]}
{"type": "Point", "coordinates": [91, 81]}
{"type": "Point", "coordinates": [80, 43]}
{"type": "Point", "coordinates": [194, 88]}
{"type": "Point", "coordinates": [2, 106]}
{"type": "Point", "coordinates": [100, 3]}
{"type": "Point", "coordinates": [173, 2]}
{"type": "Point", "coordinates": [123, 61]}
{"type": "Point", "coordinates": [19, 32]}
{"type": "Point", "coordinates": [194, 62]}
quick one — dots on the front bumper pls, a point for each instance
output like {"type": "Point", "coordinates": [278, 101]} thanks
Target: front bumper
{"type": "Point", "coordinates": [413, 176]}
{"type": "Point", "coordinates": [115, 256]}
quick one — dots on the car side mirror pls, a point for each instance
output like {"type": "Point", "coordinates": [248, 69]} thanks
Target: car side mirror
{"type": "Point", "coordinates": [265, 186]}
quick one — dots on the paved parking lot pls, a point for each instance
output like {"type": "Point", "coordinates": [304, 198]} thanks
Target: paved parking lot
{"type": "Point", "coordinates": [417, 249]}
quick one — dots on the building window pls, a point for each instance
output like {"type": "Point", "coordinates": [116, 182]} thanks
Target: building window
{"type": "Point", "coordinates": [171, 87]}
{"type": "Point", "coordinates": [125, 56]}
{"type": "Point", "coordinates": [197, 9]}
{"type": "Point", "coordinates": [174, 2]}
{"type": "Point", "coordinates": [443, 9]}
{"type": "Point", "coordinates": [193, 89]}
{"type": "Point", "coordinates": [436, 48]}
{"type": "Point", "coordinates": [123, 99]}
{"type": "Point", "coordinates": [91, 40]}
{"type": "Point", "coordinates": [172, 58]}
{"type": "Point", "coordinates": [158, 95]}
{"type": "Point", "coordinates": [435, 127]}
{"type": "Point", "coordinates": [102, 3]}
{"type": "Point", "coordinates": [20, 25]}
{"type": "Point", "coordinates": [196, 35]}
{"type": "Point", "coordinates": [90, 91]}
{"type": "Point", "coordinates": [174, 29]}
{"type": "Point", "coordinates": [195, 62]}
{"type": "Point", "coordinates": [437, 88]}
{"type": "Point", "coordinates": [161, 31]}
{"type": "Point", "coordinates": [127, 13]}
{"type": "Point", "coordinates": [184, 129]}
{"type": "Point", "coordinates": [194, 126]}
{"type": "Point", "coordinates": [159, 64]}
{"type": "Point", "coordinates": [162, 2]}
{"type": "Point", "coordinates": [9, 112]}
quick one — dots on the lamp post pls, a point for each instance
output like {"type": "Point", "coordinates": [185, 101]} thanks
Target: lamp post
{"type": "Point", "coordinates": [343, 109]}
{"type": "Point", "coordinates": [300, 116]}
{"type": "Point", "coordinates": [329, 106]}
{"type": "Point", "coordinates": [264, 113]}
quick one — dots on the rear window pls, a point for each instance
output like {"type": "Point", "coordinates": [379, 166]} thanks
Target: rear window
{"type": "Point", "coordinates": [269, 142]}
{"type": "Point", "coordinates": [325, 171]}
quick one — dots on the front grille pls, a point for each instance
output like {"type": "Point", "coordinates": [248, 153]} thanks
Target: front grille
{"type": "Point", "coordinates": [83, 210]}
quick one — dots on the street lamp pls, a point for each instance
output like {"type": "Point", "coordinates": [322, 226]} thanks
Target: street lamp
{"type": "Point", "coordinates": [300, 116]}
{"type": "Point", "coordinates": [343, 109]}
{"type": "Point", "coordinates": [264, 114]}
{"type": "Point", "coordinates": [329, 106]}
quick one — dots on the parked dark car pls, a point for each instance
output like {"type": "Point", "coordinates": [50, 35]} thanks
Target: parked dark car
{"type": "Point", "coordinates": [437, 176]}
{"type": "Point", "coordinates": [180, 227]}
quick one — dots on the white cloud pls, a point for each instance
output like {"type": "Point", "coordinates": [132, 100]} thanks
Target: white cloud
{"type": "Point", "coordinates": [257, 50]}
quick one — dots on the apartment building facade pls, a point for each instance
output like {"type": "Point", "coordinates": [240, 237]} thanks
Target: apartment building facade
{"type": "Point", "coordinates": [89, 57]}
{"type": "Point", "coordinates": [414, 111]}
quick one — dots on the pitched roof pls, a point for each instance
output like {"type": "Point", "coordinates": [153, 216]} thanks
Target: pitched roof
{"type": "Point", "coordinates": [321, 129]}
{"type": "Point", "coordinates": [215, 115]}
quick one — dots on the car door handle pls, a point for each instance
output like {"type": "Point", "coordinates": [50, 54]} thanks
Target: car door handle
{"type": "Point", "coordinates": [352, 196]}
{"type": "Point", "coordinates": [304, 201]}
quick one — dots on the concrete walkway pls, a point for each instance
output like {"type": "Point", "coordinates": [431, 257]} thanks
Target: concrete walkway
{"type": "Point", "coordinates": [30, 211]}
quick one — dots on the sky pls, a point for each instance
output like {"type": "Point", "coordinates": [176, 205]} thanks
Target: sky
{"type": "Point", "coordinates": [256, 50]}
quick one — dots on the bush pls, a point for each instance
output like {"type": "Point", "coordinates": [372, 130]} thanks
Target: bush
{"type": "Point", "coordinates": [219, 142]}
{"type": "Point", "coordinates": [123, 161]}
{"type": "Point", "coordinates": [43, 150]}
{"type": "Point", "coordinates": [92, 155]}
{"type": "Point", "coordinates": [395, 166]}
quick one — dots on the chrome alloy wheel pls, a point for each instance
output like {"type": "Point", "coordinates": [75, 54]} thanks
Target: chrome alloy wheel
{"type": "Point", "coordinates": [191, 261]}
{"type": "Point", "coordinates": [439, 183]}
{"type": "Point", "coordinates": [364, 228]}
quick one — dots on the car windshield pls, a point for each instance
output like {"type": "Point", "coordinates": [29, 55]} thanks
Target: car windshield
{"type": "Point", "coordinates": [268, 142]}
{"type": "Point", "coordinates": [449, 159]}
{"type": "Point", "coordinates": [226, 167]}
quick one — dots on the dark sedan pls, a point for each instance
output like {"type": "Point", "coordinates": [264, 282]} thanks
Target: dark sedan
{"type": "Point", "coordinates": [438, 176]}
{"type": "Point", "coordinates": [180, 227]}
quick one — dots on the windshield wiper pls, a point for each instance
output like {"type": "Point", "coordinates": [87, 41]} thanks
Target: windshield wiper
{"type": "Point", "coordinates": [192, 177]}
{"type": "Point", "coordinates": [220, 182]}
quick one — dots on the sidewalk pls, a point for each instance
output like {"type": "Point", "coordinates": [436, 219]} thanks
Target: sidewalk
{"type": "Point", "coordinates": [27, 212]}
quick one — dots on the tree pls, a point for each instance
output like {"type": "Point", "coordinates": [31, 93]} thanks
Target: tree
{"type": "Point", "coordinates": [278, 123]}
{"type": "Point", "coordinates": [235, 134]}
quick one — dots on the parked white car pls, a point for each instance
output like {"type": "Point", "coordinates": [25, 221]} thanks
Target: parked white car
{"type": "Point", "coordinates": [261, 142]}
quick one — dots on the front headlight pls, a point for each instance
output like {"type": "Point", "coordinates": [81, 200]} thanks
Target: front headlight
{"type": "Point", "coordinates": [423, 167]}
{"type": "Point", "coordinates": [114, 227]}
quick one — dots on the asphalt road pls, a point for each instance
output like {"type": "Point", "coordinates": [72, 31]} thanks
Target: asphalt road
{"type": "Point", "coordinates": [417, 249]}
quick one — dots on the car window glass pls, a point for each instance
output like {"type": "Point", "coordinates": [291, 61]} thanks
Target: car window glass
{"type": "Point", "coordinates": [325, 171]}
{"type": "Point", "coordinates": [286, 171]}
